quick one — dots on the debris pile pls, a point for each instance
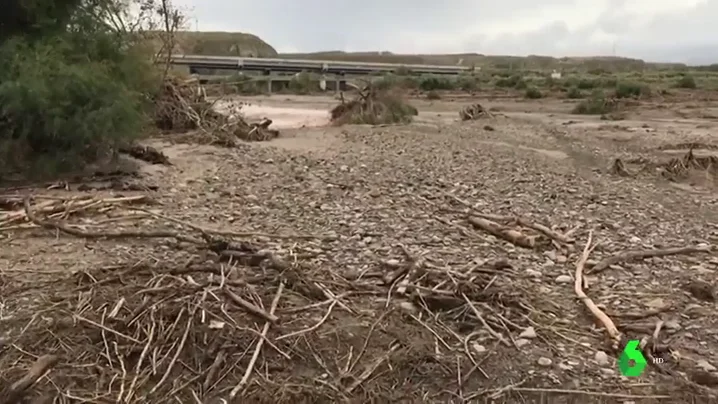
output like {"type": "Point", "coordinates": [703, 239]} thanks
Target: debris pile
{"type": "Point", "coordinates": [687, 167]}
{"type": "Point", "coordinates": [374, 106]}
{"type": "Point", "coordinates": [182, 106]}
{"type": "Point", "coordinates": [680, 168]}
{"type": "Point", "coordinates": [473, 112]}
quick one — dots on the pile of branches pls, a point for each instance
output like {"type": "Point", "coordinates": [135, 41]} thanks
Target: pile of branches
{"type": "Point", "coordinates": [675, 169]}
{"type": "Point", "coordinates": [182, 106]}
{"type": "Point", "coordinates": [373, 106]}
{"type": "Point", "coordinates": [678, 168]}
{"type": "Point", "coordinates": [257, 323]}
{"type": "Point", "coordinates": [251, 323]}
{"type": "Point", "coordinates": [474, 111]}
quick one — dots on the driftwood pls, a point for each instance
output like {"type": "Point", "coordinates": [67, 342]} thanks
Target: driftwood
{"type": "Point", "coordinates": [590, 305]}
{"type": "Point", "coordinates": [633, 255]}
{"type": "Point", "coordinates": [505, 233]}
{"type": "Point", "coordinates": [146, 153]}
{"type": "Point", "coordinates": [474, 111]}
{"type": "Point", "coordinates": [13, 393]}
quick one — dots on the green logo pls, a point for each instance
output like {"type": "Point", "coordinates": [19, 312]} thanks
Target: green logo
{"type": "Point", "coordinates": [632, 354]}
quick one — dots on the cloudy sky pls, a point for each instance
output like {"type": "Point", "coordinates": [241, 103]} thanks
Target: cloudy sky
{"type": "Point", "coordinates": [657, 30]}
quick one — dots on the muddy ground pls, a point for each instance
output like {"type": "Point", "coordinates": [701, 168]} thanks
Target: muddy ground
{"type": "Point", "coordinates": [383, 286]}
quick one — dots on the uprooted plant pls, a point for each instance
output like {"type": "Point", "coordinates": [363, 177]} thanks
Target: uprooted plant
{"type": "Point", "coordinates": [182, 106]}
{"type": "Point", "coordinates": [374, 106]}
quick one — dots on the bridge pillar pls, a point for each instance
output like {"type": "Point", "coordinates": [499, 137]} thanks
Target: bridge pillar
{"type": "Point", "coordinates": [268, 73]}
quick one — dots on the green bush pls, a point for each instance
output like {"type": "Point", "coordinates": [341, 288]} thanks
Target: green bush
{"type": "Point", "coordinates": [686, 81]}
{"type": "Point", "coordinates": [390, 81]}
{"type": "Point", "coordinates": [60, 110]}
{"type": "Point", "coordinates": [508, 82]}
{"type": "Point", "coordinates": [433, 95]}
{"type": "Point", "coordinates": [574, 93]}
{"type": "Point", "coordinates": [630, 90]}
{"type": "Point", "coordinates": [467, 83]}
{"type": "Point", "coordinates": [587, 84]}
{"type": "Point", "coordinates": [303, 83]}
{"type": "Point", "coordinates": [533, 93]}
{"type": "Point", "coordinates": [595, 105]}
{"type": "Point", "coordinates": [521, 85]}
{"type": "Point", "coordinates": [70, 95]}
{"type": "Point", "coordinates": [436, 83]}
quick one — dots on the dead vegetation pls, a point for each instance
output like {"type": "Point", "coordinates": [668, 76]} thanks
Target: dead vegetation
{"type": "Point", "coordinates": [474, 111]}
{"type": "Point", "coordinates": [182, 108]}
{"type": "Point", "coordinates": [373, 106]}
{"type": "Point", "coordinates": [268, 318]}
{"type": "Point", "coordinates": [689, 167]}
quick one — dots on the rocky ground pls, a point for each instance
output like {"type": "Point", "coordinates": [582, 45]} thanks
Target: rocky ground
{"type": "Point", "coordinates": [358, 264]}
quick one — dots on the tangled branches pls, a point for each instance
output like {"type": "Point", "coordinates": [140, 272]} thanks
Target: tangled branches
{"type": "Point", "coordinates": [373, 106]}
{"type": "Point", "coordinates": [182, 106]}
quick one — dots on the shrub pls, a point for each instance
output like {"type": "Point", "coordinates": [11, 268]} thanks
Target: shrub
{"type": "Point", "coordinates": [378, 107]}
{"type": "Point", "coordinates": [72, 88]}
{"type": "Point", "coordinates": [68, 100]}
{"type": "Point", "coordinates": [303, 83]}
{"type": "Point", "coordinates": [686, 81]}
{"type": "Point", "coordinates": [533, 93]}
{"type": "Point", "coordinates": [467, 83]}
{"type": "Point", "coordinates": [433, 95]}
{"type": "Point", "coordinates": [521, 85]}
{"type": "Point", "coordinates": [436, 83]}
{"type": "Point", "coordinates": [574, 93]}
{"type": "Point", "coordinates": [630, 90]}
{"type": "Point", "coordinates": [586, 84]}
{"type": "Point", "coordinates": [508, 82]}
{"type": "Point", "coordinates": [595, 105]}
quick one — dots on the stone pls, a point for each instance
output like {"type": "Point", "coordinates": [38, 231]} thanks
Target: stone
{"type": "Point", "coordinates": [564, 279]}
{"type": "Point", "coordinates": [601, 358]}
{"type": "Point", "coordinates": [705, 365]}
{"type": "Point", "coordinates": [522, 342]}
{"type": "Point", "coordinates": [542, 361]}
{"type": "Point", "coordinates": [533, 273]}
{"type": "Point", "coordinates": [529, 333]}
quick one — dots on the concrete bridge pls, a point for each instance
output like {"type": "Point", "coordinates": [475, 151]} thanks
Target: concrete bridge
{"type": "Point", "coordinates": [269, 66]}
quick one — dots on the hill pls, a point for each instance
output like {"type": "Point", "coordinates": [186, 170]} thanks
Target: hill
{"type": "Point", "coordinates": [223, 44]}
{"type": "Point", "coordinates": [500, 62]}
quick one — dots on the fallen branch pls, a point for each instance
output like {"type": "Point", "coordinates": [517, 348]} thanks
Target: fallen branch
{"type": "Point", "coordinates": [52, 225]}
{"type": "Point", "coordinates": [578, 288]}
{"type": "Point", "coordinates": [627, 256]}
{"type": "Point", "coordinates": [251, 308]}
{"type": "Point", "coordinates": [14, 393]}
{"type": "Point", "coordinates": [258, 348]}
{"type": "Point", "coordinates": [510, 235]}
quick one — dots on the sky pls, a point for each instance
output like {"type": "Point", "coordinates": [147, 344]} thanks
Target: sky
{"type": "Point", "coordinates": [656, 30]}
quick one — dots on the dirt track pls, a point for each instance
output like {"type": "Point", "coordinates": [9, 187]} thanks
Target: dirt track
{"type": "Point", "coordinates": [481, 317]}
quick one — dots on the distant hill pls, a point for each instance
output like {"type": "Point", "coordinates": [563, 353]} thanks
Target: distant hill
{"type": "Point", "coordinates": [223, 44]}
{"type": "Point", "coordinates": [248, 45]}
{"type": "Point", "coordinates": [606, 63]}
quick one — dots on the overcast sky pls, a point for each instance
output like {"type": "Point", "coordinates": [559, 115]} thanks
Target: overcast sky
{"type": "Point", "coordinates": [659, 30]}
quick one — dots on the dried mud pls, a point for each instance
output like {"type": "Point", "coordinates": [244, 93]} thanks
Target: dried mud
{"type": "Point", "coordinates": [353, 265]}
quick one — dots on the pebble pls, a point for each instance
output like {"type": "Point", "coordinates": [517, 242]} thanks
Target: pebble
{"type": "Point", "coordinates": [544, 361]}
{"type": "Point", "coordinates": [533, 273]}
{"type": "Point", "coordinates": [408, 306]}
{"type": "Point", "coordinates": [478, 348]}
{"type": "Point", "coordinates": [601, 358]}
{"type": "Point", "coordinates": [705, 365]}
{"type": "Point", "coordinates": [564, 279]}
{"type": "Point", "coordinates": [522, 342]}
{"type": "Point", "coordinates": [529, 332]}
{"type": "Point", "coordinates": [672, 325]}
